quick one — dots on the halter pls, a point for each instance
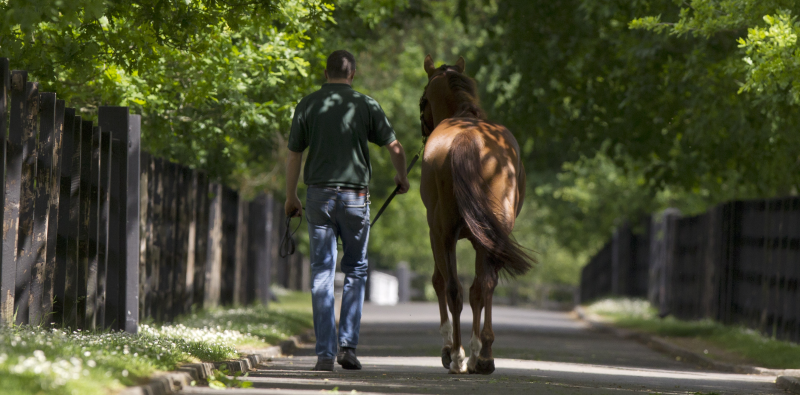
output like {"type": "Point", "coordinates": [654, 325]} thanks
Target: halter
{"type": "Point", "coordinates": [423, 102]}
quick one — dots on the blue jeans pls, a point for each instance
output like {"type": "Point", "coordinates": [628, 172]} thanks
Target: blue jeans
{"type": "Point", "coordinates": [333, 214]}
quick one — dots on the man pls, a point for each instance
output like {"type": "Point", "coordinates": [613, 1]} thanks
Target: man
{"type": "Point", "coordinates": [336, 123]}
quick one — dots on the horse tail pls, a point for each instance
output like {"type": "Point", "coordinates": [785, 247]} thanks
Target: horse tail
{"type": "Point", "coordinates": [476, 209]}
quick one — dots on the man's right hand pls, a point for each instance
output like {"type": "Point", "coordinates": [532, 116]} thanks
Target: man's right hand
{"type": "Point", "coordinates": [402, 182]}
{"type": "Point", "coordinates": [293, 206]}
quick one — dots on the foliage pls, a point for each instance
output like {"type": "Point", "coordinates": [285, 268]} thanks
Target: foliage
{"type": "Point", "coordinates": [747, 343]}
{"type": "Point", "coordinates": [215, 81]}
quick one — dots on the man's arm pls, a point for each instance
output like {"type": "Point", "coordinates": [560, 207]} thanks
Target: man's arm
{"type": "Point", "coordinates": [399, 162]}
{"type": "Point", "coordinates": [293, 205]}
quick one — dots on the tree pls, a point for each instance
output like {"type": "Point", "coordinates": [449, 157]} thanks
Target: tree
{"type": "Point", "coordinates": [215, 81]}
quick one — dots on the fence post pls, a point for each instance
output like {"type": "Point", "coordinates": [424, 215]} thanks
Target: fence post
{"type": "Point", "coordinates": [214, 247]}
{"type": "Point", "coordinates": [123, 288]}
{"type": "Point", "coordinates": [45, 148]}
{"type": "Point", "coordinates": [52, 222]}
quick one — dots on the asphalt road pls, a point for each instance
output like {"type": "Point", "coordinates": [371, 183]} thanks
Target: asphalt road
{"type": "Point", "coordinates": [536, 352]}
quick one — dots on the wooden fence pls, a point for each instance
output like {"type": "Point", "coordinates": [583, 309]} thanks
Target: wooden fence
{"type": "Point", "coordinates": [738, 263]}
{"type": "Point", "coordinates": [98, 234]}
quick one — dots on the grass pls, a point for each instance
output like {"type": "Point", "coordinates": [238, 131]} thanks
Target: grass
{"type": "Point", "coordinates": [35, 360]}
{"type": "Point", "coordinates": [731, 344]}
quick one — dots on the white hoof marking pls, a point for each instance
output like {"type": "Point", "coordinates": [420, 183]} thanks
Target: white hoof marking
{"type": "Point", "coordinates": [474, 350]}
{"type": "Point", "coordinates": [447, 334]}
{"type": "Point", "coordinates": [458, 362]}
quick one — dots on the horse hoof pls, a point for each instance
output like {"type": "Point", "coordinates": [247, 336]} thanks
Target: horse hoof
{"type": "Point", "coordinates": [446, 357]}
{"type": "Point", "coordinates": [484, 366]}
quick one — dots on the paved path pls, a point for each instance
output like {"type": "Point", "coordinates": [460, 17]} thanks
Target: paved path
{"type": "Point", "coordinates": [536, 352]}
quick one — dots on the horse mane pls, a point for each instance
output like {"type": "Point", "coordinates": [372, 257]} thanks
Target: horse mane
{"type": "Point", "coordinates": [465, 92]}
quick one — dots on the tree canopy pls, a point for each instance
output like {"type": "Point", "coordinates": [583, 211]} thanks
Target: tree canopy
{"type": "Point", "coordinates": [622, 107]}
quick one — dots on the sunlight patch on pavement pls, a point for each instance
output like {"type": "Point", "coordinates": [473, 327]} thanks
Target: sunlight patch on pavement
{"type": "Point", "coordinates": [564, 367]}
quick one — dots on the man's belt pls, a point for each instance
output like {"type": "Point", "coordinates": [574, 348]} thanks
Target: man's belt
{"type": "Point", "coordinates": [343, 189]}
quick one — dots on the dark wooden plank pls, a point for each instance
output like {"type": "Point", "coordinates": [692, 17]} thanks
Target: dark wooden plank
{"type": "Point", "coordinates": [19, 80]}
{"type": "Point", "coordinates": [131, 246]}
{"type": "Point", "coordinates": [41, 213]}
{"type": "Point", "coordinates": [183, 218]}
{"type": "Point", "coordinates": [167, 269]}
{"type": "Point", "coordinates": [260, 246]}
{"type": "Point", "coordinates": [190, 217]}
{"type": "Point", "coordinates": [102, 230]}
{"type": "Point", "coordinates": [26, 257]}
{"type": "Point", "coordinates": [83, 225]}
{"type": "Point", "coordinates": [93, 224]}
{"type": "Point", "coordinates": [240, 259]}
{"type": "Point", "coordinates": [156, 242]}
{"type": "Point", "coordinates": [144, 210]}
{"type": "Point", "coordinates": [52, 223]}
{"type": "Point", "coordinates": [228, 270]}
{"type": "Point", "coordinates": [201, 241]}
{"type": "Point", "coordinates": [123, 270]}
{"type": "Point", "coordinates": [26, 253]}
{"type": "Point", "coordinates": [73, 230]}
{"type": "Point", "coordinates": [63, 230]}
{"type": "Point", "coordinates": [214, 247]}
{"type": "Point", "coordinates": [5, 268]}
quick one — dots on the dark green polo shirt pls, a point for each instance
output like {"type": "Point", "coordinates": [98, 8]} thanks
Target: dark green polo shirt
{"type": "Point", "coordinates": [335, 123]}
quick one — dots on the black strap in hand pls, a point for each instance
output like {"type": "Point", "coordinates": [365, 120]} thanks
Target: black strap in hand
{"type": "Point", "coordinates": [288, 245]}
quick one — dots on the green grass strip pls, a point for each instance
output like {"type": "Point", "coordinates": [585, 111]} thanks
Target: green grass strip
{"type": "Point", "coordinates": [748, 344]}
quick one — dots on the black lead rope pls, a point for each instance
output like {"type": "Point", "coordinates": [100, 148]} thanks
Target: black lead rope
{"type": "Point", "coordinates": [288, 245]}
{"type": "Point", "coordinates": [394, 193]}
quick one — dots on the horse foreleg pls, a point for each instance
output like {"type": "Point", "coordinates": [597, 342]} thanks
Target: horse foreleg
{"type": "Point", "coordinates": [445, 328]}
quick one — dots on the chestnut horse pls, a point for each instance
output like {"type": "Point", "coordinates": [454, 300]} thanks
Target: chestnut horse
{"type": "Point", "coordinates": [473, 185]}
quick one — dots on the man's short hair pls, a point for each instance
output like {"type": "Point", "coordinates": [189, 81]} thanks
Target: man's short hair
{"type": "Point", "coordinates": [340, 64]}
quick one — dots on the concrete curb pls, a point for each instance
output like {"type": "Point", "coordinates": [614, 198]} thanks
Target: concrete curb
{"type": "Point", "coordinates": [680, 353]}
{"type": "Point", "coordinates": [171, 382]}
{"type": "Point", "coordinates": [790, 384]}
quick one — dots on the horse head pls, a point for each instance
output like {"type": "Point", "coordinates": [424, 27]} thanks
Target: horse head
{"type": "Point", "coordinates": [449, 93]}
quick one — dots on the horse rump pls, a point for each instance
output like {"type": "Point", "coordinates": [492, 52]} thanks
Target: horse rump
{"type": "Point", "coordinates": [504, 253]}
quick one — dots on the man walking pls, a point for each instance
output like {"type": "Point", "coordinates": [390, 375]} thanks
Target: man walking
{"type": "Point", "coordinates": [336, 123]}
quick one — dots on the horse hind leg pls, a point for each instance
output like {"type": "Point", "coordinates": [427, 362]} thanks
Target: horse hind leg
{"type": "Point", "coordinates": [476, 302]}
{"type": "Point", "coordinates": [485, 361]}
{"type": "Point", "coordinates": [445, 327]}
{"type": "Point", "coordinates": [444, 251]}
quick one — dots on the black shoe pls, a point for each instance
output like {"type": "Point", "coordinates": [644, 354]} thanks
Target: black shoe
{"type": "Point", "coordinates": [347, 358]}
{"type": "Point", "coordinates": [324, 365]}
